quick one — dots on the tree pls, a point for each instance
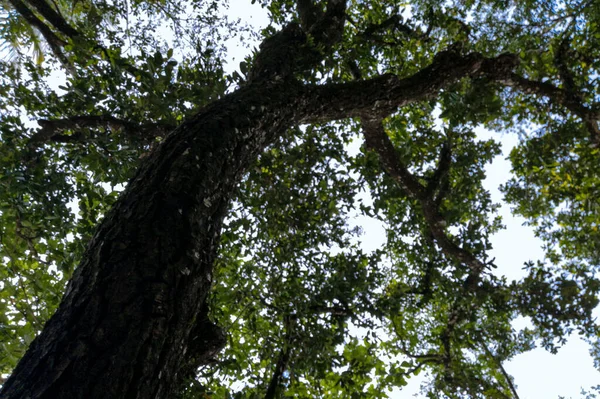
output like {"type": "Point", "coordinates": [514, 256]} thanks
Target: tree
{"type": "Point", "coordinates": [259, 182]}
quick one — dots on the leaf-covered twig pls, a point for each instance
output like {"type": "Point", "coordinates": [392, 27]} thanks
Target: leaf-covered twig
{"type": "Point", "coordinates": [397, 24]}
{"type": "Point", "coordinates": [507, 377]}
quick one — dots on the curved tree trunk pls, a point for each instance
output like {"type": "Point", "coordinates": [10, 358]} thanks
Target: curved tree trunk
{"type": "Point", "coordinates": [123, 328]}
{"type": "Point", "coordinates": [133, 320]}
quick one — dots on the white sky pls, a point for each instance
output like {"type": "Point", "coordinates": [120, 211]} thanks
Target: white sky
{"type": "Point", "coordinates": [538, 374]}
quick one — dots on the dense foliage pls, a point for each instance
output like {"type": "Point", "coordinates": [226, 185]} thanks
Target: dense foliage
{"type": "Point", "coordinates": [308, 310]}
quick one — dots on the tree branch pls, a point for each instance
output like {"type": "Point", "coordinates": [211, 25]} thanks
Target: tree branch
{"type": "Point", "coordinates": [54, 18]}
{"type": "Point", "coordinates": [384, 94]}
{"type": "Point", "coordinates": [61, 25]}
{"type": "Point", "coordinates": [309, 13]}
{"type": "Point", "coordinates": [377, 139]}
{"type": "Point", "coordinates": [290, 51]}
{"type": "Point", "coordinates": [436, 358]}
{"type": "Point", "coordinates": [373, 99]}
{"type": "Point", "coordinates": [283, 359]}
{"type": "Point", "coordinates": [396, 22]}
{"type": "Point", "coordinates": [436, 187]}
{"type": "Point", "coordinates": [53, 41]}
{"type": "Point", "coordinates": [51, 129]}
{"type": "Point", "coordinates": [489, 353]}
{"type": "Point", "coordinates": [572, 94]}
{"type": "Point", "coordinates": [280, 366]}
{"type": "Point", "coordinates": [328, 29]}
{"type": "Point", "coordinates": [559, 96]}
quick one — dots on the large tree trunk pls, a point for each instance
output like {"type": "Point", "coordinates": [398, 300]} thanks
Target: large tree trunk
{"type": "Point", "coordinates": [123, 328]}
{"type": "Point", "coordinates": [133, 319]}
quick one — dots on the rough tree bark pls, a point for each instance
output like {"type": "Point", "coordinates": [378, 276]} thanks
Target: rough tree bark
{"type": "Point", "coordinates": [133, 319]}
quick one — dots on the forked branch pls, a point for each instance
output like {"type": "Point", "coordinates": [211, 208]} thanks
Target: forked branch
{"type": "Point", "coordinates": [377, 139]}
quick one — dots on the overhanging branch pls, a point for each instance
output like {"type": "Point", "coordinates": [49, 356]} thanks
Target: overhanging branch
{"type": "Point", "coordinates": [52, 130]}
{"type": "Point", "coordinates": [384, 94]}
{"type": "Point", "coordinates": [54, 18]}
{"type": "Point", "coordinates": [55, 42]}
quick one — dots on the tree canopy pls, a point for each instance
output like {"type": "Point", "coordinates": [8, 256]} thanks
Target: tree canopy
{"type": "Point", "coordinates": [127, 150]}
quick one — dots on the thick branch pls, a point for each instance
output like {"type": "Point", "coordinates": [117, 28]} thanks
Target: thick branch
{"type": "Point", "coordinates": [308, 12]}
{"type": "Point", "coordinates": [51, 130]}
{"type": "Point", "coordinates": [281, 55]}
{"type": "Point", "coordinates": [383, 95]}
{"type": "Point", "coordinates": [280, 366]}
{"type": "Point", "coordinates": [289, 51]}
{"type": "Point", "coordinates": [328, 29]}
{"type": "Point", "coordinates": [573, 96]}
{"type": "Point", "coordinates": [376, 139]}
{"type": "Point", "coordinates": [284, 358]}
{"type": "Point", "coordinates": [53, 41]}
{"type": "Point", "coordinates": [54, 18]}
{"type": "Point", "coordinates": [566, 76]}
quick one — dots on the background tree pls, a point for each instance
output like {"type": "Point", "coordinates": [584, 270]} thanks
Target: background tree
{"type": "Point", "coordinates": [252, 192]}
